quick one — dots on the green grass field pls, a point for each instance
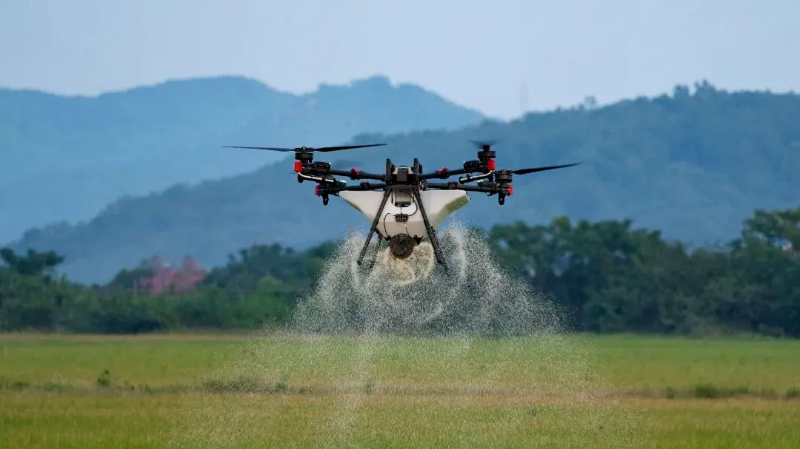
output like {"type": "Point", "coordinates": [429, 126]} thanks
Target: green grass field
{"type": "Point", "coordinates": [229, 391]}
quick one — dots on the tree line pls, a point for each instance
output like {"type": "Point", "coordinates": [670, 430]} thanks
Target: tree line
{"type": "Point", "coordinates": [610, 276]}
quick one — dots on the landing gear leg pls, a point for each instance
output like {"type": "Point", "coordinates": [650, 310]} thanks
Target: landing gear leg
{"type": "Point", "coordinates": [374, 226]}
{"type": "Point", "coordinates": [375, 255]}
{"type": "Point", "coordinates": [437, 250]}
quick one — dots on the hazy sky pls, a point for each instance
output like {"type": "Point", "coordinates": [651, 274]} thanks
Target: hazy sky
{"type": "Point", "coordinates": [477, 53]}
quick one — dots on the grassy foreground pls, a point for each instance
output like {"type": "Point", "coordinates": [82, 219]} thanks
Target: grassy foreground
{"type": "Point", "coordinates": [228, 391]}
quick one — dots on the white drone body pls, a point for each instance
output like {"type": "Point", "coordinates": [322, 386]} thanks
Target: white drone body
{"type": "Point", "coordinates": [438, 205]}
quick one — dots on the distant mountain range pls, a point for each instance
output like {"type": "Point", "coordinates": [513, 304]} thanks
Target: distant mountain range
{"type": "Point", "coordinates": [65, 158]}
{"type": "Point", "coordinates": [694, 164]}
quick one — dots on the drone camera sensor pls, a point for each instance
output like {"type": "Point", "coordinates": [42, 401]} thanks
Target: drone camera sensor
{"type": "Point", "coordinates": [503, 176]}
{"type": "Point", "coordinates": [402, 174]}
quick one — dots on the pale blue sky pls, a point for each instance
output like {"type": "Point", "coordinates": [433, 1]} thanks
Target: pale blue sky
{"type": "Point", "coordinates": [477, 53]}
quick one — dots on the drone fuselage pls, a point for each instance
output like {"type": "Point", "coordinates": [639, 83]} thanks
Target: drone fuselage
{"type": "Point", "coordinates": [401, 214]}
{"type": "Point", "coordinates": [405, 204]}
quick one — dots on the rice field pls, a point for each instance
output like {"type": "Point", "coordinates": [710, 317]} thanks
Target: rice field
{"type": "Point", "coordinates": [286, 391]}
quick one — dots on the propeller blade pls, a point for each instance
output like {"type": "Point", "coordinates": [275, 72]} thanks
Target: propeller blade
{"type": "Point", "coordinates": [302, 149]}
{"type": "Point", "coordinates": [261, 148]}
{"type": "Point", "coordinates": [481, 144]}
{"type": "Point", "coordinates": [346, 147]}
{"type": "Point", "coordinates": [524, 171]}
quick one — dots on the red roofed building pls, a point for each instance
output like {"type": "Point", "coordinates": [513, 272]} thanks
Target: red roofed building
{"type": "Point", "coordinates": [169, 279]}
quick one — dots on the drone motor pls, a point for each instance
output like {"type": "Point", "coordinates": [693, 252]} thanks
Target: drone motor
{"type": "Point", "coordinates": [503, 176]}
{"type": "Point", "coordinates": [486, 155]}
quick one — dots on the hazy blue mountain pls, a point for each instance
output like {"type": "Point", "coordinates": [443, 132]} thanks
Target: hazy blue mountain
{"type": "Point", "coordinates": [64, 158]}
{"type": "Point", "coordinates": [694, 163]}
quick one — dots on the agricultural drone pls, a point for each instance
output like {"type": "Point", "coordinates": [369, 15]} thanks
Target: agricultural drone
{"type": "Point", "coordinates": [403, 203]}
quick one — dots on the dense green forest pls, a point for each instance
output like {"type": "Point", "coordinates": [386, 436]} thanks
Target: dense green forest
{"type": "Point", "coordinates": [609, 275]}
{"type": "Point", "coordinates": [693, 164]}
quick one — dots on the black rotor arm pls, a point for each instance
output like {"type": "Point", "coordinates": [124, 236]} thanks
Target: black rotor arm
{"type": "Point", "coordinates": [357, 174]}
{"type": "Point", "coordinates": [501, 189]}
{"type": "Point", "coordinates": [444, 173]}
{"type": "Point", "coordinates": [319, 171]}
{"type": "Point", "coordinates": [335, 188]}
{"type": "Point", "coordinates": [486, 187]}
{"type": "Point", "coordinates": [364, 186]}
{"type": "Point", "coordinates": [484, 166]}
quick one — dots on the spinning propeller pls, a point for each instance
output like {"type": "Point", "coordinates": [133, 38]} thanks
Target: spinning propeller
{"type": "Point", "coordinates": [484, 145]}
{"type": "Point", "coordinates": [525, 171]}
{"type": "Point", "coordinates": [309, 149]}
{"type": "Point", "coordinates": [486, 153]}
{"type": "Point", "coordinates": [304, 156]}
